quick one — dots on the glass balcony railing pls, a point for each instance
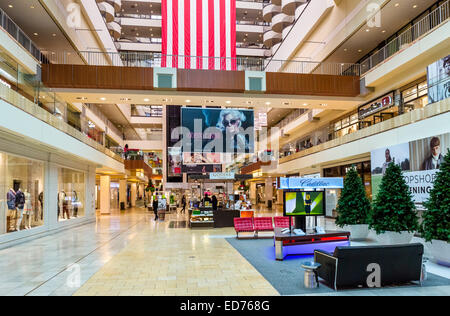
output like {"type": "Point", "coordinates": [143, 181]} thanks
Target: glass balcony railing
{"type": "Point", "coordinates": [419, 29]}
{"type": "Point", "coordinates": [27, 93]}
{"type": "Point", "coordinates": [9, 26]}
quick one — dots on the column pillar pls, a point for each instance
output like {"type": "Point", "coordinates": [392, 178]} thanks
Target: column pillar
{"type": "Point", "coordinates": [123, 192]}
{"type": "Point", "coordinates": [133, 194]}
{"type": "Point", "coordinates": [105, 195]}
{"type": "Point", "coordinates": [269, 190]}
{"type": "Point", "coordinates": [253, 192]}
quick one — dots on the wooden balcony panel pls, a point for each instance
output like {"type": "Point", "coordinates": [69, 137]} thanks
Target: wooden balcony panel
{"type": "Point", "coordinates": [312, 84]}
{"type": "Point", "coordinates": [210, 81]}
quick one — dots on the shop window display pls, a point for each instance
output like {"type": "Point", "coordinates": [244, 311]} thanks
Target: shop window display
{"type": "Point", "coordinates": [71, 194]}
{"type": "Point", "coordinates": [21, 188]}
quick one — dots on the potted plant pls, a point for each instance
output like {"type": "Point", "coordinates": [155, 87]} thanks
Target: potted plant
{"type": "Point", "coordinates": [354, 207]}
{"type": "Point", "coordinates": [394, 217]}
{"type": "Point", "coordinates": [435, 227]}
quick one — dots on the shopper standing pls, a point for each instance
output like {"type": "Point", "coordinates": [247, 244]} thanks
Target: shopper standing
{"type": "Point", "coordinates": [214, 202]}
{"type": "Point", "coordinates": [155, 207]}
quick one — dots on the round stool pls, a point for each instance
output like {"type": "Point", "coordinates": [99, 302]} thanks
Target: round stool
{"type": "Point", "coordinates": [311, 276]}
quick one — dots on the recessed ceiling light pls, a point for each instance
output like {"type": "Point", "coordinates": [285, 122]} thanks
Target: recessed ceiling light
{"type": "Point", "coordinates": [10, 5]}
{"type": "Point", "coordinates": [415, 6]}
{"type": "Point", "coordinates": [188, 101]}
{"type": "Point", "coordinates": [397, 4]}
{"type": "Point", "coordinates": [103, 99]}
{"type": "Point", "coordinates": [305, 104]}
{"type": "Point", "coordinates": [228, 102]}
{"type": "Point", "coordinates": [146, 100]}
{"type": "Point", "coordinates": [268, 103]}
{"type": "Point", "coordinates": [35, 34]}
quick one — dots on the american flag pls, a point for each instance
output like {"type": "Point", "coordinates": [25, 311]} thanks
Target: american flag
{"type": "Point", "coordinates": [202, 28]}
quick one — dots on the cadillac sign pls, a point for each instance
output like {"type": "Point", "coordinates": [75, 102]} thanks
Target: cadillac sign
{"type": "Point", "coordinates": [311, 183]}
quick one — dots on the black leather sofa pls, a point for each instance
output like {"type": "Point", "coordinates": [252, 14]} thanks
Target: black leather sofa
{"type": "Point", "coordinates": [348, 266]}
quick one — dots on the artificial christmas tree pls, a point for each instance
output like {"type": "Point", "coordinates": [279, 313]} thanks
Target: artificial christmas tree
{"type": "Point", "coordinates": [393, 216]}
{"type": "Point", "coordinates": [354, 207]}
{"type": "Point", "coordinates": [435, 226]}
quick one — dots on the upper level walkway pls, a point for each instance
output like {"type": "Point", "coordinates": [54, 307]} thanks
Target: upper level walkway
{"type": "Point", "coordinates": [148, 71]}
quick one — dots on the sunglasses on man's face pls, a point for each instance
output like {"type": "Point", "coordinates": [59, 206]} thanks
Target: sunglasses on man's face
{"type": "Point", "coordinates": [227, 123]}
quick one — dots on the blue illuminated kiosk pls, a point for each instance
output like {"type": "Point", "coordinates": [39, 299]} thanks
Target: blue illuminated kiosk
{"type": "Point", "coordinates": [305, 197]}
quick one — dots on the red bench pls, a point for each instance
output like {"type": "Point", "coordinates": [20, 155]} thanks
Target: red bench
{"type": "Point", "coordinates": [283, 221]}
{"type": "Point", "coordinates": [243, 225]}
{"type": "Point", "coordinates": [263, 224]}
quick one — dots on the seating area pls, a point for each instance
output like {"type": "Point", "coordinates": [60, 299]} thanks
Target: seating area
{"type": "Point", "coordinates": [258, 225]}
{"type": "Point", "coordinates": [398, 264]}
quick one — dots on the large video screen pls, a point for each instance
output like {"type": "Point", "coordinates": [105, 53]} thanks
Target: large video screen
{"type": "Point", "coordinates": [304, 203]}
{"type": "Point", "coordinates": [217, 130]}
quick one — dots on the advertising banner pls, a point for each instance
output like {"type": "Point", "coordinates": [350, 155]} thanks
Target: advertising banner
{"type": "Point", "coordinates": [202, 158]}
{"type": "Point", "coordinates": [217, 130]}
{"type": "Point", "coordinates": [419, 161]}
{"type": "Point", "coordinates": [439, 80]}
{"type": "Point", "coordinates": [174, 165]}
{"type": "Point", "coordinates": [310, 183]}
{"type": "Point", "coordinates": [190, 169]}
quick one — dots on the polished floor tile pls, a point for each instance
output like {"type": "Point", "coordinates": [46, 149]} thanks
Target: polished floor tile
{"type": "Point", "coordinates": [131, 254]}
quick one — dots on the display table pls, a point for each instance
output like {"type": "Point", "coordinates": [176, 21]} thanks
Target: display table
{"type": "Point", "coordinates": [291, 244]}
{"type": "Point", "coordinates": [225, 217]}
{"type": "Point", "coordinates": [201, 218]}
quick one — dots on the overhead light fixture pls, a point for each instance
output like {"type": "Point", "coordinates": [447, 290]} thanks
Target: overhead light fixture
{"type": "Point", "coordinates": [103, 99]}
{"type": "Point", "coordinates": [228, 102]}
{"type": "Point", "coordinates": [188, 101]}
{"type": "Point", "coordinates": [268, 103]}
{"type": "Point", "coordinates": [146, 100]}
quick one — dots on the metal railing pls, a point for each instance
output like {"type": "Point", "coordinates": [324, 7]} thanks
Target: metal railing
{"type": "Point", "coordinates": [153, 60]}
{"type": "Point", "coordinates": [9, 26]}
{"type": "Point", "coordinates": [419, 29]}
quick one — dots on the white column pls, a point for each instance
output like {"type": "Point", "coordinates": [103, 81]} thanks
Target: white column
{"type": "Point", "coordinates": [51, 190]}
{"type": "Point", "coordinates": [122, 192]}
{"type": "Point", "coordinates": [253, 192]}
{"type": "Point", "coordinates": [269, 190]}
{"type": "Point", "coordinates": [133, 194]}
{"type": "Point", "coordinates": [105, 195]}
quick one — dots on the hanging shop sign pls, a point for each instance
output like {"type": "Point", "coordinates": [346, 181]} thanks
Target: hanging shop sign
{"type": "Point", "coordinates": [222, 176]}
{"type": "Point", "coordinates": [373, 107]}
{"type": "Point", "coordinates": [310, 183]}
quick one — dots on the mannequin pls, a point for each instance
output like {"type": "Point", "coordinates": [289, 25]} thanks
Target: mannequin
{"type": "Point", "coordinates": [11, 202]}
{"type": "Point", "coordinates": [41, 202]}
{"type": "Point", "coordinates": [28, 209]}
{"type": "Point", "coordinates": [75, 203]}
{"type": "Point", "coordinates": [20, 203]}
{"type": "Point", "coordinates": [65, 205]}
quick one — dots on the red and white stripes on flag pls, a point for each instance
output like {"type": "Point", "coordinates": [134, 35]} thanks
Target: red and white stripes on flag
{"type": "Point", "coordinates": [199, 34]}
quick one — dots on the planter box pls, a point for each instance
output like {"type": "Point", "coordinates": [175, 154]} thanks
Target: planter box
{"type": "Point", "coordinates": [440, 250]}
{"type": "Point", "coordinates": [393, 238]}
{"type": "Point", "coordinates": [358, 232]}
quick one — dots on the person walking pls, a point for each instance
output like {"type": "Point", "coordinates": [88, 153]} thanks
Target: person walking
{"type": "Point", "coordinates": [155, 207]}
{"type": "Point", "coordinates": [183, 204]}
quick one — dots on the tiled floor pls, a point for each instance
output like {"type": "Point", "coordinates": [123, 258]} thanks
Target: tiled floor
{"type": "Point", "coordinates": [134, 255]}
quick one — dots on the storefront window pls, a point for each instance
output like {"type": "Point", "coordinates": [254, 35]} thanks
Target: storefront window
{"type": "Point", "coordinates": [21, 188]}
{"type": "Point", "coordinates": [415, 97]}
{"type": "Point", "coordinates": [346, 126]}
{"type": "Point", "coordinates": [71, 194]}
